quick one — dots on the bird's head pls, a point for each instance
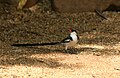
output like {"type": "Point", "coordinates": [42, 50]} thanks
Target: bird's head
{"type": "Point", "coordinates": [72, 31]}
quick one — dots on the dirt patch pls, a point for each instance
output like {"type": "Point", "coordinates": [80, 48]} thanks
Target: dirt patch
{"type": "Point", "coordinates": [85, 66]}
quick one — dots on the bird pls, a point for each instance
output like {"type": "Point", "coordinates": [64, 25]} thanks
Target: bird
{"type": "Point", "coordinates": [70, 41]}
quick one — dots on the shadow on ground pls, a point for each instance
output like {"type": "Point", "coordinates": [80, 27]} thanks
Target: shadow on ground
{"type": "Point", "coordinates": [10, 56]}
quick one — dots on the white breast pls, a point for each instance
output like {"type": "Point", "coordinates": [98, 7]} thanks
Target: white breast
{"type": "Point", "coordinates": [74, 40]}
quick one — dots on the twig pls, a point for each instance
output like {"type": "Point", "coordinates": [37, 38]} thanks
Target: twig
{"type": "Point", "coordinates": [98, 12]}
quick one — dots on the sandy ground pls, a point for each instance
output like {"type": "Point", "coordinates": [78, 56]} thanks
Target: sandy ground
{"type": "Point", "coordinates": [67, 66]}
{"type": "Point", "coordinates": [61, 65]}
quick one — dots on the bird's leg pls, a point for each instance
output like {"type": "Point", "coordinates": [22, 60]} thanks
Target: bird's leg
{"type": "Point", "coordinates": [66, 47]}
{"type": "Point", "coordinates": [68, 50]}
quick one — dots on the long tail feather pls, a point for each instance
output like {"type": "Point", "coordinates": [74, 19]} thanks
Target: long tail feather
{"type": "Point", "coordinates": [35, 44]}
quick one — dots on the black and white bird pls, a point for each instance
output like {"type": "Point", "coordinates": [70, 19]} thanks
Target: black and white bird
{"type": "Point", "coordinates": [70, 41]}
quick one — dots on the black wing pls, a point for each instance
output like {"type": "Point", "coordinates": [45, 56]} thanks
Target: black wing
{"type": "Point", "coordinates": [66, 40]}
